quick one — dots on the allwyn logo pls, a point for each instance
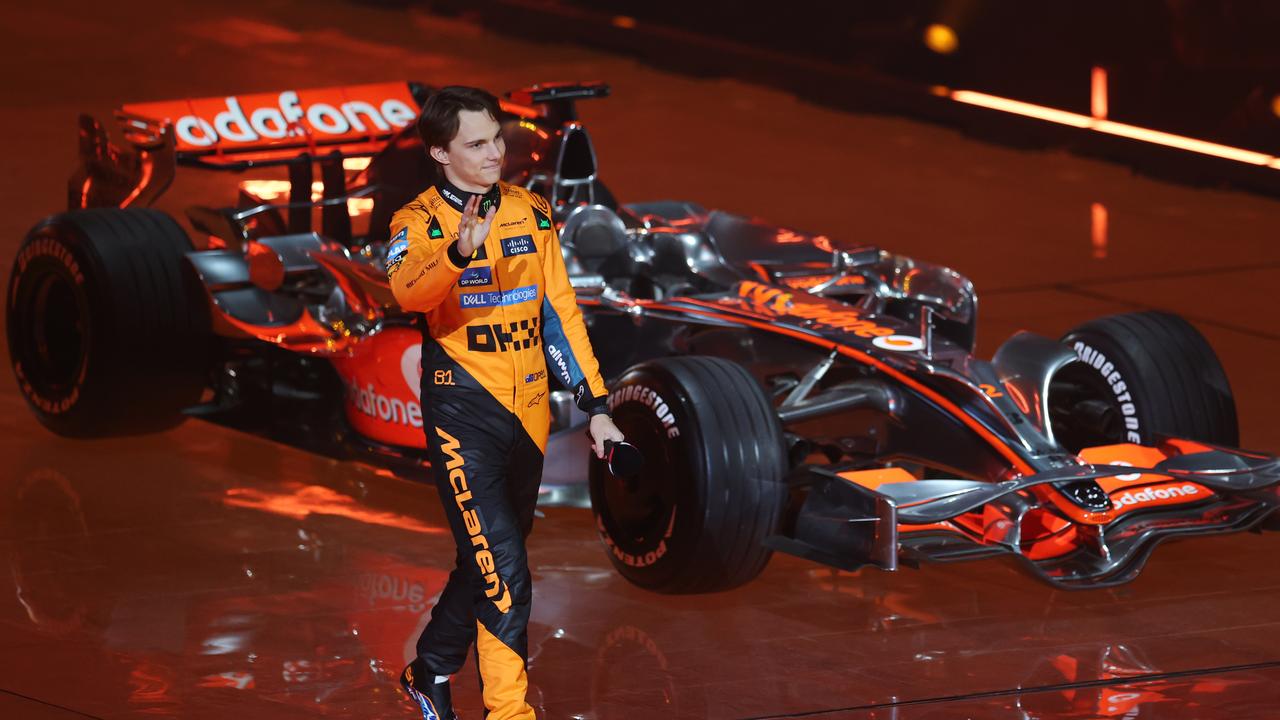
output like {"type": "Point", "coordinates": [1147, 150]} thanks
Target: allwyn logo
{"type": "Point", "coordinates": [496, 588]}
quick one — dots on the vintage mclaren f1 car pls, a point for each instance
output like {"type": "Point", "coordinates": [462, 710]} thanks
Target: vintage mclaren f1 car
{"type": "Point", "coordinates": [789, 393]}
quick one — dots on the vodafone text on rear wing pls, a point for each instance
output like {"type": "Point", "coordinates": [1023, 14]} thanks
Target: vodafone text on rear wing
{"type": "Point", "coordinates": [278, 125]}
{"type": "Point", "coordinates": [301, 129]}
{"type": "Point", "coordinates": [291, 127]}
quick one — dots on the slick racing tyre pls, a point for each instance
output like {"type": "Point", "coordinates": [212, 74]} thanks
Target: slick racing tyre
{"type": "Point", "coordinates": [107, 335]}
{"type": "Point", "coordinates": [1140, 375]}
{"type": "Point", "coordinates": [711, 489]}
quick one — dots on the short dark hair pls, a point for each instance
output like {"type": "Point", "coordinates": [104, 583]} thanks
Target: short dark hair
{"type": "Point", "coordinates": [438, 122]}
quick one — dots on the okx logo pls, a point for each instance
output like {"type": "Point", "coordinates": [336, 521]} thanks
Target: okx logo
{"type": "Point", "coordinates": [499, 337]}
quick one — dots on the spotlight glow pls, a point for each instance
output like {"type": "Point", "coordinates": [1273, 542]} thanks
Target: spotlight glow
{"type": "Point", "coordinates": [941, 39]}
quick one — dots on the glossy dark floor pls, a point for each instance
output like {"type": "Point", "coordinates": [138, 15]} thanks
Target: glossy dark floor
{"type": "Point", "coordinates": [208, 574]}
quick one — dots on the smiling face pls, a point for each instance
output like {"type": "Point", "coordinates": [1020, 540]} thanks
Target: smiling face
{"type": "Point", "coordinates": [473, 158]}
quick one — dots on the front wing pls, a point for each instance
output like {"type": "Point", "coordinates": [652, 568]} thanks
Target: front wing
{"type": "Point", "coordinates": [885, 517]}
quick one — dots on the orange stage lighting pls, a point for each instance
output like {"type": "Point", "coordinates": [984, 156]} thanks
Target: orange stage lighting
{"type": "Point", "coordinates": [1098, 93]}
{"type": "Point", "coordinates": [1084, 122]}
{"type": "Point", "coordinates": [1098, 214]}
{"type": "Point", "coordinates": [941, 39]}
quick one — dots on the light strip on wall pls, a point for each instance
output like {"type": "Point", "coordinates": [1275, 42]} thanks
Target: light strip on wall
{"type": "Point", "coordinates": [1084, 122]}
{"type": "Point", "coordinates": [1098, 93]}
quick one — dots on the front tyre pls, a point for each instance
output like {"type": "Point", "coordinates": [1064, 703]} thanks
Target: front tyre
{"type": "Point", "coordinates": [1141, 375]}
{"type": "Point", "coordinates": [712, 485]}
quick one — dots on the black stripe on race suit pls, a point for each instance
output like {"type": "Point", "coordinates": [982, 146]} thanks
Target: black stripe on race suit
{"type": "Point", "coordinates": [487, 470]}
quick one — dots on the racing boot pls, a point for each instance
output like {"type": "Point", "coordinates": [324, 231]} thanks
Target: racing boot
{"type": "Point", "coordinates": [432, 697]}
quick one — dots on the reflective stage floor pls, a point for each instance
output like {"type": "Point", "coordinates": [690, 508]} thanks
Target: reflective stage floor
{"type": "Point", "coordinates": [205, 573]}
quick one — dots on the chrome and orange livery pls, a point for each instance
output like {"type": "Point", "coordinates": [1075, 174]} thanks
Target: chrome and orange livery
{"type": "Point", "coordinates": [904, 444]}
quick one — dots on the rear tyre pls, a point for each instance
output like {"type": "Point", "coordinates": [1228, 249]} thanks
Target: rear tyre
{"type": "Point", "coordinates": [712, 485]}
{"type": "Point", "coordinates": [108, 334]}
{"type": "Point", "coordinates": [1141, 374]}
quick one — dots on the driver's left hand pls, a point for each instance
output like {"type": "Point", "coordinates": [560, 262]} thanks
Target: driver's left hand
{"type": "Point", "coordinates": [601, 429]}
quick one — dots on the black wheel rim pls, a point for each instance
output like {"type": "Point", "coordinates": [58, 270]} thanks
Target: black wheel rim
{"type": "Point", "coordinates": [639, 511]}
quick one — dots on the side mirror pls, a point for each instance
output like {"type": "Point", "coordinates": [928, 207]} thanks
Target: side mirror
{"type": "Point", "coordinates": [845, 259]}
{"type": "Point", "coordinates": [220, 223]}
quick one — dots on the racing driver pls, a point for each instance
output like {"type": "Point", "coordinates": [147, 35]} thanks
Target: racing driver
{"type": "Point", "coordinates": [482, 260]}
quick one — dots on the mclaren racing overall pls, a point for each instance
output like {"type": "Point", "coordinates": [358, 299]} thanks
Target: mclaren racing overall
{"type": "Point", "coordinates": [496, 320]}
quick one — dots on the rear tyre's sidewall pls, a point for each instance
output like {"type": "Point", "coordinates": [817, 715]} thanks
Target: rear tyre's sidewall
{"type": "Point", "coordinates": [56, 254]}
{"type": "Point", "coordinates": [138, 351]}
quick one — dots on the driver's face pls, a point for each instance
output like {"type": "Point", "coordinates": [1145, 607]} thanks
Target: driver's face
{"type": "Point", "coordinates": [473, 159]}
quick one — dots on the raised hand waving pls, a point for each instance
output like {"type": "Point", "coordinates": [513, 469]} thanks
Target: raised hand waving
{"type": "Point", "coordinates": [472, 230]}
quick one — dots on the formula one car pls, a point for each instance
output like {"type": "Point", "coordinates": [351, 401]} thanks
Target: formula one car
{"type": "Point", "coordinates": [788, 393]}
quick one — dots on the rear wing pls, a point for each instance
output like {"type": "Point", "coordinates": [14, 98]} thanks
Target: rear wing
{"type": "Point", "coordinates": [293, 127]}
{"type": "Point", "coordinates": [555, 101]}
{"type": "Point", "coordinates": [278, 126]}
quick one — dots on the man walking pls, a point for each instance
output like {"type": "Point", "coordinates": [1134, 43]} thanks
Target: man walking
{"type": "Point", "coordinates": [482, 260]}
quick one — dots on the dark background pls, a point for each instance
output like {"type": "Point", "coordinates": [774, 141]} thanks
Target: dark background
{"type": "Point", "coordinates": [1206, 69]}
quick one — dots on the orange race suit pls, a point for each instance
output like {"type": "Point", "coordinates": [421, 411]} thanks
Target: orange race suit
{"type": "Point", "coordinates": [497, 321]}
